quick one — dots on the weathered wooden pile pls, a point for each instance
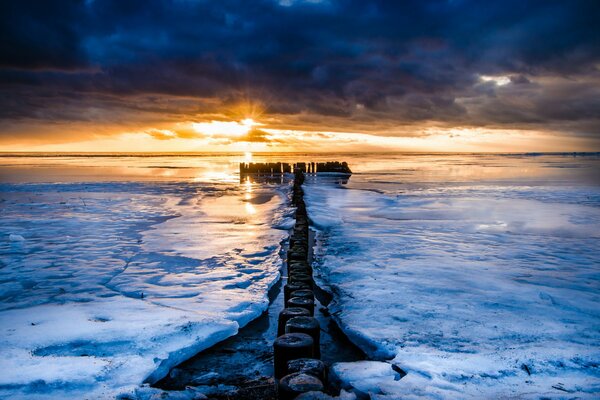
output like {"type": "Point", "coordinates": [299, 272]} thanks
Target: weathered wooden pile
{"type": "Point", "coordinates": [333, 166]}
{"type": "Point", "coordinates": [265, 168]}
{"type": "Point", "coordinates": [305, 167]}
{"type": "Point", "coordinates": [297, 347]}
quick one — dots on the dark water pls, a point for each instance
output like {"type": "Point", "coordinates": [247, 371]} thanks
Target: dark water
{"type": "Point", "coordinates": [243, 364]}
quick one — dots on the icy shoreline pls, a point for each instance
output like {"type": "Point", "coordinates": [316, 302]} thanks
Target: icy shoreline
{"type": "Point", "coordinates": [474, 292]}
{"type": "Point", "coordinates": [116, 283]}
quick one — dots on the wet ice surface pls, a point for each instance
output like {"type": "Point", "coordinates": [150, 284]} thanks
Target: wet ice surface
{"type": "Point", "coordinates": [479, 288]}
{"type": "Point", "coordinates": [115, 283]}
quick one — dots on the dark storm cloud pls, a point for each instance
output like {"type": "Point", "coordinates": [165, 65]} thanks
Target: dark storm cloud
{"type": "Point", "coordinates": [357, 63]}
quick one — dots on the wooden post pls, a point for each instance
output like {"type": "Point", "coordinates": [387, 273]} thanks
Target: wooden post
{"type": "Point", "coordinates": [293, 385]}
{"type": "Point", "coordinates": [290, 347]}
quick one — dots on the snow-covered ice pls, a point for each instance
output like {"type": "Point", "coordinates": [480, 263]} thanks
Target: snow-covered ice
{"type": "Point", "coordinates": [479, 287]}
{"type": "Point", "coordinates": [478, 276]}
{"type": "Point", "coordinates": [115, 283]}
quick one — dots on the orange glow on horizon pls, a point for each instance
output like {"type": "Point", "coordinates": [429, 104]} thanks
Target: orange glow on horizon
{"type": "Point", "coordinates": [248, 135]}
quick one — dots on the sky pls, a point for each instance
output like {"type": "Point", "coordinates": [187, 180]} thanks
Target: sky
{"type": "Point", "coordinates": [300, 75]}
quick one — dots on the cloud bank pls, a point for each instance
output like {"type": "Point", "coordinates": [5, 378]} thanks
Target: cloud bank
{"type": "Point", "coordinates": [70, 70]}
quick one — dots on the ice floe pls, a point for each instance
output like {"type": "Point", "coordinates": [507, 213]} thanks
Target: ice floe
{"type": "Point", "coordinates": [474, 290]}
{"type": "Point", "coordinates": [119, 282]}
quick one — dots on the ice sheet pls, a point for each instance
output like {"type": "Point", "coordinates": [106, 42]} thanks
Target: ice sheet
{"type": "Point", "coordinates": [479, 290]}
{"type": "Point", "coordinates": [115, 283]}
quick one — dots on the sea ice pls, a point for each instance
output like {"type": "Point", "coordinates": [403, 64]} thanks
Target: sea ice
{"type": "Point", "coordinates": [477, 291]}
{"type": "Point", "coordinates": [119, 282]}
{"type": "Point", "coordinates": [367, 378]}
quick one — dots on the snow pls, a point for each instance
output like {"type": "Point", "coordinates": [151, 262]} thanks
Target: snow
{"type": "Point", "coordinates": [479, 289]}
{"type": "Point", "coordinates": [367, 377]}
{"type": "Point", "coordinates": [117, 283]}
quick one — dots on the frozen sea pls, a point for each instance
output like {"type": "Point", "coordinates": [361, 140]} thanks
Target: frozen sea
{"type": "Point", "coordinates": [477, 276]}
{"type": "Point", "coordinates": [115, 269]}
{"type": "Point", "coordinates": [474, 276]}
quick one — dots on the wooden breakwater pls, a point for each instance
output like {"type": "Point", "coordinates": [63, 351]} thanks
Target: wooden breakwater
{"type": "Point", "coordinates": [252, 356]}
{"type": "Point", "coordinates": [277, 168]}
{"type": "Point", "coordinates": [296, 350]}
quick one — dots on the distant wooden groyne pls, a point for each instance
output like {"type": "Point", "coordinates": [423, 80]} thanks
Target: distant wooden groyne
{"type": "Point", "coordinates": [285, 168]}
{"type": "Point", "coordinates": [297, 347]}
{"type": "Point", "coordinates": [304, 341]}
{"type": "Point", "coordinates": [298, 368]}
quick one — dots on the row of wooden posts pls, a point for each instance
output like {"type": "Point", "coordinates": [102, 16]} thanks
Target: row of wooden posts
{"type": "Point", "coordinates": [305, 167]}
{"type": "Point", "coordinates": [296, 350]}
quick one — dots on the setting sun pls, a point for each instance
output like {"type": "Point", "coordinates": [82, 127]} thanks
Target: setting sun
{"type": "Point", "coordinates": [249, 122]}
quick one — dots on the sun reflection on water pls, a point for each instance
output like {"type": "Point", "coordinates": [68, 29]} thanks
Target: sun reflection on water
{"type": "Point", "coordinates": [216, 176]}
{"type": "Point", "coordinates": [248, 185]}
{"type": "Point", "coordinates": [250, 209]}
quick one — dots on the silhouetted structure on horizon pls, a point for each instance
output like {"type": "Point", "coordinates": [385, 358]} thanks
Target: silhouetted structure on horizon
{"type": "Point", "coordinates": [305, 167]}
